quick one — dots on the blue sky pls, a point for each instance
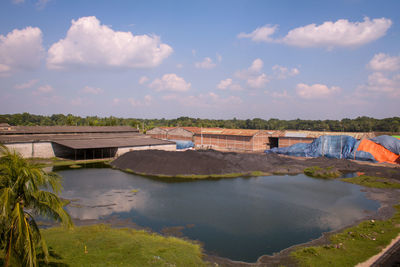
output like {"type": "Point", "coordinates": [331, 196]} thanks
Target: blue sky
{"type": "Point", "coordinates": [206, 59]}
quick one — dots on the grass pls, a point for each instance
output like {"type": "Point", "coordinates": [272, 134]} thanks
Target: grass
{"type": "Point", "coordinates": [101, 245]}
{"type": "Point", "coordinates": [324, 173]}
{"type": "Point", "coordinates": [372, 181]}
{"type": "Point", "coordinates": [353, 245]}
{"type": "Point", "coordinates": [202, 176]}
{"type": "Point", "coordinates": [62, 162]}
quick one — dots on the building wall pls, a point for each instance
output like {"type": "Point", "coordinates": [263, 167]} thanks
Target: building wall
{"type": "Point", "coordinates": [288, 141]}
{"type": "Point", "coordinates": [180, 134]}
{"type": "Point", "coordinates": [167, 147]}
{"type": "Point", "coordinates": [224, 142]}
{"type": "Point", "coordinates": [158, 133]}
{"type": "Point", "coordinates": [33, 150]}
{"type": "Point", "coordinates": [261, 141]}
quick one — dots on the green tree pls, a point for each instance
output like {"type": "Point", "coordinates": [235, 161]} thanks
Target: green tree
{"type": "Point", "coordinates": [23, 194]}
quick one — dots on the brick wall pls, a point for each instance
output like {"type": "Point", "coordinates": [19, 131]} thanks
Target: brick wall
{"type": "Point", "coordinates": [288, 141]}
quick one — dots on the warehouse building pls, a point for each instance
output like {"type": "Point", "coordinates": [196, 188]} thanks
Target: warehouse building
{"type": "Point", "coordinates": [243, 140]}
{"type": "Point", "coordinates": [218, 138]}
{"type": "Point", "coordinates": [77, 142]}
{"type": "Point", "coordinates": [288, 138]}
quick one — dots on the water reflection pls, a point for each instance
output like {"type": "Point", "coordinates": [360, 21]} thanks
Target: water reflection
{"type": "Point", "coordinates": [238, 218]}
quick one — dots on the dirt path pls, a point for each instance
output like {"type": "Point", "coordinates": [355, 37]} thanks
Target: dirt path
{"type": "Point", "coordinates": [373, 259]}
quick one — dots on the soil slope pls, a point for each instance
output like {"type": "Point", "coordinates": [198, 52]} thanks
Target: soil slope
{"type": "Point", "coordinates": [207, 162]}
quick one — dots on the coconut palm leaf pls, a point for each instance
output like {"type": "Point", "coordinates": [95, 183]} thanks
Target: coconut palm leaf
{"type": "Point", "coordinates": [23, 194]}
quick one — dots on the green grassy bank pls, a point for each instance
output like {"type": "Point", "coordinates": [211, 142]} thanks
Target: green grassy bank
{"type": "Point", "coordinates": [355, 244]}
{"type": "Point", "coordinates": [372, 181]}
{"type": "Point", "coordinates": [101, 245]}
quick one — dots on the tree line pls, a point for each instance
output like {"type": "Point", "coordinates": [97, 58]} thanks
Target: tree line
{"type": "Point", "coordinates": [359, 124]}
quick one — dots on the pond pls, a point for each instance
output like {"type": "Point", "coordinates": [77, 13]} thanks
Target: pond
{"type": "Point", "coordinates": [240, 218]}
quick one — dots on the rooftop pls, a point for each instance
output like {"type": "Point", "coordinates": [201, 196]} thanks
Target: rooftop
{"type": "Point", "coordinates": [65, 129]}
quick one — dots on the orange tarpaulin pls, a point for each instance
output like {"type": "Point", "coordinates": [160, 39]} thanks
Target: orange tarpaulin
{"type": "Point", "coordinates": [380, 153]}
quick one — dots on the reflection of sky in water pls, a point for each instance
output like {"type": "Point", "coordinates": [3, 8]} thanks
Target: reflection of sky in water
{"type": "Point", "coordinates": [239, 218]}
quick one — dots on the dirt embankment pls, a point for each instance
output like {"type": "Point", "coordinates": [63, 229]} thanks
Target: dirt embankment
{"type": "Point", "coordinates": [208, 162]}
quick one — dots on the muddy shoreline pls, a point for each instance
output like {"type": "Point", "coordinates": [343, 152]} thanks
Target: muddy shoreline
{"type": "Point", "coordinates": [211, 162]}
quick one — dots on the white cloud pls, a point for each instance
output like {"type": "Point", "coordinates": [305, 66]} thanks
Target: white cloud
{"type": "Point", "coordinates": [26, 85]}
{"type": "Point", "coordinates": [88, 43]}
{"type": "Point", "coordinates": [261, 34]}
{"type": "Point", "coordinates": [207, 63]}
{"type": "Point", "coordinates": [179, 66]}
{"type": "Point", "coordinates": [284, 94]}
{"type": "Point", "coordinates": [278, 95]}
{"type": "Point", "coordinates": [236, 87]}
{"type": "Point", "coordinates": [92, 90]}
{"type": "Point", "coordinates": [257, 65]}
{"type": "Point", "coordinates": [386, 76]}
{"type": "Point", "coordinates": [342, 33]}
{"type": "Point", "coordinates": [21, 50]}
{"type": "Point", "coordinates": [253, 76]}
{"type": "Point", "coordinates": [224, 84]}
{"type": "Point", "coordinates": [148, 99]}
{"type": "Point", "coordinates": [143, 80]}
{"type": "Point", "coordinates": [116, 101]}
{"type": "Point", "coordinates": [258, 81]}
{"type": "Point", "coordinates": [18, 1]}
{"type": "Point", "coordinates": [137, 103]}
{"type": "Point", "coordinates": [315, 91]}
{"type": "Point", "coordinates": [45, 89]}
{"type": "Point", "coordinates": [170, 82]}
{"type": "Point", "coordinates": [77, 101]}
{"type": "Point", "coordinates": [281, 72]}
{"type": "Point", "coordinates": [209, 100]}
{"type": "Point", "coordinates": [381, 83]}
{"type": "Point", "coordinates": [383, 62]}
{"type": "Point", "coordinates": [219, 57]}
{"type": "Point", "coordinates": [254, 69]}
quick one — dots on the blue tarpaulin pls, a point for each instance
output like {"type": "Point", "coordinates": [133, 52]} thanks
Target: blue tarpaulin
{"type": "Point", "coordinates": [389, 142]}
{"type": "Point", "coordinates": [180, 144]}
{"type": "Point", "coordinates": [330, 146]}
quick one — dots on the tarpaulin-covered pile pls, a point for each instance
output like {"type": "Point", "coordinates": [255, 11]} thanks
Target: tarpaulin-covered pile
{"type": "Point", "coordinates": [180, 144]}
{"type": "Point", "coordinates": [379, 149]}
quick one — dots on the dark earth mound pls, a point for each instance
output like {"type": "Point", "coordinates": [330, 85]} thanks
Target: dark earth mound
{"type": "Point", "coordinates": [207, 162]}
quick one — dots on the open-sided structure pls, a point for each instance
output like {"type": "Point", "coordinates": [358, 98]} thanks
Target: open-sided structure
{"type": "Point", "coordinates": [78, 142]}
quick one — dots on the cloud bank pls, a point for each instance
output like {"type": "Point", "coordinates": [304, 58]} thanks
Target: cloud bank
{"type": "Point", "coordinates": [342, 33]}
{"type": "Point", "coordinates": [170, 82]}
{"type": "Point", "coordinates": [21, 50]}
{"type": "Point", "coordinates": [90, 44]}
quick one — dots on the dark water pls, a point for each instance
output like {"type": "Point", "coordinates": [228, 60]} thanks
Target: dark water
{"type": "Point", "coordinates": [241, 218]}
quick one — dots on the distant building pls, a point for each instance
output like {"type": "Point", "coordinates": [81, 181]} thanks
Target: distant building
{"type": "Point", "coordinates": [78, 142]}
{"type": "Point", "coordinates": [242, 140]}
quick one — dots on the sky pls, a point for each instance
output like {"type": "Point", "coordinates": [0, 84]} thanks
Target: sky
{"type": "Point", "coordinates": [205, 59]}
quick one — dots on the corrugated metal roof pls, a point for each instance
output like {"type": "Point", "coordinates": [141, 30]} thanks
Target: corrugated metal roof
{"type": "Point", "coordinates": [221, 131]}
{"type": "Point", "coordinates": [316, 134]}
{"type": "Point", "coordinates": [295, 134]}
{"type": "Point", "coordinates": [66, 129]}
{"type": "Point", "coordinates": [112, 143]}
{"type": "Point", "coordinates": [166, 128]}
{"type": "Point", "coordinates": [53, 137]}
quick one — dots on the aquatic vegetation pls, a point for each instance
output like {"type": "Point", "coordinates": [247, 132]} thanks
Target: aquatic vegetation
{"type": "Point", "coordinates": [325, 173]}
